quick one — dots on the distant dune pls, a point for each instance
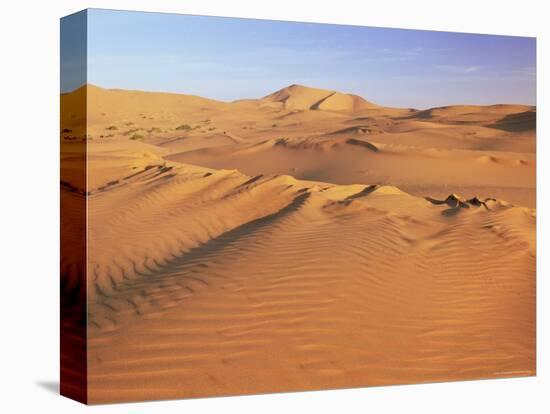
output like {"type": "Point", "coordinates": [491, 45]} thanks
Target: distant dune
{"type": "Point", "coordinates": [305, 98]}
{"type": "Point", "coordinates": [305, 240]}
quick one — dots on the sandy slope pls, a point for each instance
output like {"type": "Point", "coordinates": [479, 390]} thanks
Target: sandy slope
{"type": "Point", "coordinates": [293, 249]}
{"type": "Point", "coordinates": [421, 171]}
{"type": "Point", "coordinates": [212, 282]}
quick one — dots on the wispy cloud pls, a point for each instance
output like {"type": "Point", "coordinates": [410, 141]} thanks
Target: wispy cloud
{"type": "Point", "coordinates": [267, 58]}
{"type": "Point", "coordinates": [477, 75]}
{"type": "Point", "coordinates": [459, 69]}
{"type": "Point", "coordinates": [529, 72]}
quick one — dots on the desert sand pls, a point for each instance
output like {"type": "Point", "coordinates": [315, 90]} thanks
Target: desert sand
{"type": "Point", "coordinates": [309, 239]}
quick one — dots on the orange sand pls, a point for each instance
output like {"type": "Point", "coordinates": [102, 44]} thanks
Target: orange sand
{"type": "Point", "coordinates": [305, 240]}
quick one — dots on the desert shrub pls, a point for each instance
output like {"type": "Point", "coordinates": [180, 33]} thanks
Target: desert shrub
{"type": "Point", "coordinates": [112, 128]}
{"type": "Point", "coordinates": [183, 127]}
{"type": "Point", "coordinates": [137, 137]}
{"type": "Point", "coordinates": [131, 131]}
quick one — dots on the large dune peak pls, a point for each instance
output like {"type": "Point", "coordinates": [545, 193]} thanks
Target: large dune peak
{"type": "Point", "coordinates": [300, 97]}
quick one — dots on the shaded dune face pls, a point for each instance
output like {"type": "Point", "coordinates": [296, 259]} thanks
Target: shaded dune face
{"type": "Point", "coordinates": [306, 240]}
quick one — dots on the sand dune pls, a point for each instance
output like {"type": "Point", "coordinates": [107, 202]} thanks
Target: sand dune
{"type": "Point", "coordinates": [305, 240]}
{"type": "Point", "coordinates": [517, 122]}
{"type": "Point", "coordinates": [471, 113]}
{"type": "Point", "coordinates": [477, 150]}
{"type": "Point", "coordinates": [352, 160]}
{"type": "Point", "coordinates": [256, 277]}
{"type": "Point", "coordinates": [305, 98]}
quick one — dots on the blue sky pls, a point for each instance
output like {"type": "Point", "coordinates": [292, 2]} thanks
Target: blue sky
{"type": "Point", "coordinates": [226, 59]}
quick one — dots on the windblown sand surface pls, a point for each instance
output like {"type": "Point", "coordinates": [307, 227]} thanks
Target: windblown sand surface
{"type": "Point", "coordinates": [306, 240]}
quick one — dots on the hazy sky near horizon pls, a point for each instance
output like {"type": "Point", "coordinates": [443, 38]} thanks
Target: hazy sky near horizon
{"type": "Point", "coordinates": [227, 59]}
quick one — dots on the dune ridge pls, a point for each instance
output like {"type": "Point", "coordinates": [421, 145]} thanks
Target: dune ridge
{"type": "Point", "coordinates": [305, 98]}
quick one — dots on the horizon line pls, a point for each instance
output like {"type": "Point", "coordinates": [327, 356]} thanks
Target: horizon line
{"type": "Point", "coordinates": [172, 92]}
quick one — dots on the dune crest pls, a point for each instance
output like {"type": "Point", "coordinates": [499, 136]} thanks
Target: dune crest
{"type": "Point", "coordinates": [306, 98]}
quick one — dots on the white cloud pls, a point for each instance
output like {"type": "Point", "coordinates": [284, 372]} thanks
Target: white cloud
{"type": "Point", "coordinates": [459, 69]}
